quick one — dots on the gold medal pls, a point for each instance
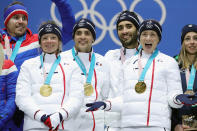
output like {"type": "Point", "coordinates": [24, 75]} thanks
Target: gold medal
{"type": "Point", "coordinates": [45, 90]}
{"type": "Point", "coordinates": [140, 87]}
{"type": "Point", "coordinates": [190, 120]}
{"type": "Point", "coordinates": [88, 89]}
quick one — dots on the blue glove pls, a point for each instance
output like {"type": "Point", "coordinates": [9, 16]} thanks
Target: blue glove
{"type": "Point", "coordinates": [95, 106]}
{"type": "Point", "coordinates": [185, 99]}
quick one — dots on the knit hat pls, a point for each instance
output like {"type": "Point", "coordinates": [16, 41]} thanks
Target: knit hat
{"type": "Point", "coordinates": [49, 28]}
{"type": "Point", "coordinates": [84, 23]}
{"type": "Point", "coordinates": [186, 29]}
{"type": "Point", "coordinates": [13, 10]}
{"type": "Point", "coordinates": [151, 25]}
{"type": "Point", "coordinates": [128, 16]}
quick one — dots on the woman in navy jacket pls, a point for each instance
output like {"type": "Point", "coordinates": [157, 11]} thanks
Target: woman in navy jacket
{"type": "Point", "coordinates": [187, 60]}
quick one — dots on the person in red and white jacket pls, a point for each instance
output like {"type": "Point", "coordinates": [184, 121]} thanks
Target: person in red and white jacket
{"type": "Point", "coordinates": [16, 22]}
{"type": "Point", "coordinates": [82, 53]}
{"type": "Point", "coordinates": [48, 91]}
{"type": "Point", "coordinates": [127, 26]}
{"type": "Point", "coordinates": [8, 77]}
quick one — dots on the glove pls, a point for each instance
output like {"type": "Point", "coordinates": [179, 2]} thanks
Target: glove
{"type": "Point", "coordinates": [185, 99]}
{"type": "Point", "coordinates": [46, 120]}
{"type": "Point", "coordinates": [95, 106]}
{"type": "Point", "coordinates": [52, 121]}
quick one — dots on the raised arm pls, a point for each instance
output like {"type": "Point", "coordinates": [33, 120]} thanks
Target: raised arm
{"type": "Point", "coordinates": [67, 18]}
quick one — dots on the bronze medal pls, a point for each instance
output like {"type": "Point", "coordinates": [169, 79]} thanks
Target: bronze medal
{"type": "Point", "coordinates": [189, 92]}
{"type": "Point", "coordinates": [140, 87]}
{"type": "Point", "coordinates": [190, 120]}
{"type": "Point", "coordinates": [88, 89]}
{"type": "Point", "coordinates": [45, 90]}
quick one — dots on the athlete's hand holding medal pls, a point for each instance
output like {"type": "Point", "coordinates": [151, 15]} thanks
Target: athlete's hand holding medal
{"type": "Point", "coordinates": [187, 99]}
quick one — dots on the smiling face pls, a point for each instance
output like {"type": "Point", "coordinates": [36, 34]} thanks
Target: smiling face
{"type": "Point", "coordinates": [190, 43]}
{"type": "Point", "coordinates": [83, 40]}
{"type": "Point", "coordinates": [17, 25]}
{"type": "Point", "coordinates": [127, 33]}
{"type": "Point", "coordinates": [149, 40]}
{"type": "Point", "coordinates": [50, 43]}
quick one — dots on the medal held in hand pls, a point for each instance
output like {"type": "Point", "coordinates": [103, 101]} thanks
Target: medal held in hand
{"type": "Point", "coordinates": [45, 90]}
{"type": "Point", "coordinates": [88, 89]}
{"type": "Point", "coordinates": [190, 119]}
{"type": "Point", "coordinates": [140, 87]}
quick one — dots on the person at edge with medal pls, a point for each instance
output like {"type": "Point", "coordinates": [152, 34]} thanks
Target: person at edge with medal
{"type": "Point", "coordinates": [48, 90]}
{"type": "Point", "coordinates": [186, 117]}
{"type": "Point", "coordinates": [8, 77]}
{"type": "Point", "coordinates": [150, 87]}
{"type": "Point", "coordinates": [21, 44]}
{"type": "Point", "coordinates": [93, 70]}
{"type": "Point", "coordinates": [127, 26]}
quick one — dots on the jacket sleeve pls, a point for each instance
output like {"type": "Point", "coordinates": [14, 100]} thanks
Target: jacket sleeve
{"type": "Point", "coordinates": [23, 94]}
{"type": "Point", "coordinates": [116, 103]}
{"type": "Point", "coordinates": [10, 106]}
{"type": "Point", "coordinates": [173, 80]}
{"type": "Point", "coordinates": [67, 18]}
{"type": "Point", "coordinates": [106, 86]}
{"type": "Point", "coordinates": [75, 96]}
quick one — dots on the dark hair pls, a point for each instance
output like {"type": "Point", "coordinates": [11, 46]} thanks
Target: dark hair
{"type": "Point", "coordinates": [13, 3]}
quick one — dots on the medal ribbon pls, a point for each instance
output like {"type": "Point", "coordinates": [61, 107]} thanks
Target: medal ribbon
{"type": "Point", "coordinates": [138, 49]}
{"type": "Point", "coordinates": [122, 55]}
{"type": "Point", "coordinates": [191, 78]}
{"type": "Point", "coordinates": [82, 67]}
{"type": "Point", "coordinates": [52, 70]}
{"type": "Point", "coordinates": [16, 48]}
{"type": "Point", "coordinates": [150, 60]}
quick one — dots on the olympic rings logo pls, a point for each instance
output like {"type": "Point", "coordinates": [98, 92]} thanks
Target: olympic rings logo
{"type": "Point", "coordinates": [112, 25]}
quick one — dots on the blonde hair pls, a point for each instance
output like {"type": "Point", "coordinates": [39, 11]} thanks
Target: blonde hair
{"type": "Point", "coordinates": [184, 59]}
{"type": "Point", "coordinates": [1, 57]}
